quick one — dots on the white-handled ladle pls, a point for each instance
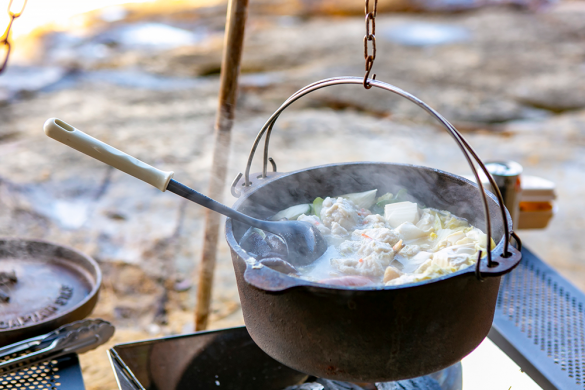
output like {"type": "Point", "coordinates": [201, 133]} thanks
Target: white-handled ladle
{"type": "Point", "coordinates": [304, 242]}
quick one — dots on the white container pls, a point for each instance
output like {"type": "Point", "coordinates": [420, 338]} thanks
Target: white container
{"type": "Point", "coordinates": [537, 205]}
{"type": "Point", "coordinates": [537, 201]}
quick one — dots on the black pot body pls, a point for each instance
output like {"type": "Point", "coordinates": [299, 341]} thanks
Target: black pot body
{"type": "Point", "coordinates": [365, 334]}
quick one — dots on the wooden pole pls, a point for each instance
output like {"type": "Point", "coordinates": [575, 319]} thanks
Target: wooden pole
{"type": "Point", "coordinates": [230, 69]}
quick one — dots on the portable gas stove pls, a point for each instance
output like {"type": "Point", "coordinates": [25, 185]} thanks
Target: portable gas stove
{"type": "Point", "coordinates": [539, 323]}
{"type": "Point", "coordinates": [229, 359]}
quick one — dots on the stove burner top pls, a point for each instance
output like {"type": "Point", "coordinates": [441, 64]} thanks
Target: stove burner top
{"type": "Point", "coordinates": [424, 382]}
{"type": "Point", "coordinates": [447, 379]}
{"type": "Point", "coordinates": [229, 359]}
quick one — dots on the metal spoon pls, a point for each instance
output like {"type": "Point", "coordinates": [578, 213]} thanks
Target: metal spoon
{"type": "Point", "coordinates": [304, 242]}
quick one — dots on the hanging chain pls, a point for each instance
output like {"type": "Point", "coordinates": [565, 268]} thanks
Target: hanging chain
{"type": "Point", "coordinates": [4, 42]}
{"type": "Point", "coordinates": [370, 37]}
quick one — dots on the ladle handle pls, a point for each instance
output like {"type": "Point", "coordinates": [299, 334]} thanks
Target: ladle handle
{"type": "Point", "coordinates": [78, 140]}
{"type": "Point", "coordinates": [205, 201]}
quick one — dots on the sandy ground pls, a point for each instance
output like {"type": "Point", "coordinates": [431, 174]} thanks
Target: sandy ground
{"type": "Point", "coordinates": [514, 82]}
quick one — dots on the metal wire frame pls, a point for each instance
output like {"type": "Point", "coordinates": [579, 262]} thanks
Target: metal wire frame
{"type": "Point", "coordinates": [468, 152]}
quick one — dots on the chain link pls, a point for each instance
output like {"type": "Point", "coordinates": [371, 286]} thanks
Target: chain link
{"type": "Point", "coordinates": [370, 37]}
{"type": "Point", "coordinates": [5, 45]}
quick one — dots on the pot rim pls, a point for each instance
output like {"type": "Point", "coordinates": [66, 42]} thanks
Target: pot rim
{"type": "Point", "coordinates": [292, 282]}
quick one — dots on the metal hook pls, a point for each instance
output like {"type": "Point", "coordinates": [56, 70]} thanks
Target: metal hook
{"type": "Point", "coordinates": [367, 84]}
{"type": "Point", "coordinates": [234, 190]}
{"type": "Point", "coordinates": [369, 64]}
{"type": "Point", "coordinates": [518, 241]}
{"type": "Point", "coordinates": [273, 163]}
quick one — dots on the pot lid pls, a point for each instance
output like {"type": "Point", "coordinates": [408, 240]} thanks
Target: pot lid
{"type": "Point", "coordinates": [40, 283]}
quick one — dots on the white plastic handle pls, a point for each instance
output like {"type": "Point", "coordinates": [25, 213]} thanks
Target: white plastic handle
{"type": "Point", "coordinates": [78, 140]}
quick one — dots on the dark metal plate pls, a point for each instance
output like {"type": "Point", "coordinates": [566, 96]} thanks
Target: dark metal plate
{"type": "Point", "coordinates": [221, 359]}
{"type": "Point", "coordinates": [55, 285]}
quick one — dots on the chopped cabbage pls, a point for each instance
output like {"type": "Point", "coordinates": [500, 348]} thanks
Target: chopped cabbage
{"type": "Point", "coordinates": [410, 232]}
{"type": "Point", "coordinates": [363, 200]}
{"type": "Point", "coordinates": [292, 213]}
{"type": "Point", "coordinates": [317, 206]}
{"type": "Point", "coordinates": [388, 198]}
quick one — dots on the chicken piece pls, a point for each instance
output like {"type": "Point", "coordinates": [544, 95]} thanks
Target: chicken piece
{"type": "Point", "coordinates": [369, 258]}
{"type": "Point", "coordinates": [364, 212]}
{"type": "Point", "coordinates": [409, 250]}
{"type": "Point", "coordinates": [367, 266]}
{"type": "Point", "coordinates": [383, 235]}
{"type": "Point", "coordinates": [338, 230]}
{"type": "Point", "coordinates": [348, 248]}
{"type": "Point", "coordinates": [374, 221]}
{"type": "Point", "coordinates": [379, 249]}
{"type": "Point", "coordinates": [340, 210]}
{"type": "Point", "coordinates": [315, 221]}
{"type": "Point", "coordinates": [338, 234]}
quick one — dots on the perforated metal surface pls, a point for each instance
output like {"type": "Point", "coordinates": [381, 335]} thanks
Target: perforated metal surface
{"type": "Point", "coordinates": [44, 376]}
{"type": "Point", "coordinates": [539, 322]}
{"type": "Point", "coordinates": [61, 374]}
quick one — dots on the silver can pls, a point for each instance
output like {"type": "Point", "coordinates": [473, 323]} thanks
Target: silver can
{"type": "Point", "coordinates": [507, 177]}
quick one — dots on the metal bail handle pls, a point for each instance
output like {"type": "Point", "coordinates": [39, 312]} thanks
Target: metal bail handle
{"type": "Point", "coordinates": [468, 152]}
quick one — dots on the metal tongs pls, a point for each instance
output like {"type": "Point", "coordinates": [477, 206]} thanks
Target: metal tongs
{"type": "Point", "coordinates": [80, 336]}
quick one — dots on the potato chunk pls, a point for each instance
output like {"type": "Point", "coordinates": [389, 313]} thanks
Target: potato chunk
{"type": "Point", "coordinates": [391, 273]}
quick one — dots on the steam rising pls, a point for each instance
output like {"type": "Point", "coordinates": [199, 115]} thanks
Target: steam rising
{"type": "Point", "coordinates": [431, 187]}
{"type": "Point", "coordinates": [425, 186]}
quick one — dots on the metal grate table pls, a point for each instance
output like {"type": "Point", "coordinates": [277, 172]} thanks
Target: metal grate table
{"type": "Point", "coordinates": [63, 373]}
{"type": "Point", "coordinates": [539, 323]}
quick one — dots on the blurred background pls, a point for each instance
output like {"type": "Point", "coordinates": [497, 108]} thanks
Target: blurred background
{"type": "Point", "coordinates": [143, 76]}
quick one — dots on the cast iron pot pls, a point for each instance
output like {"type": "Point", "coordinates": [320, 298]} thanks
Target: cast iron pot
{"type": "Point", "coordinates": [370, 334]}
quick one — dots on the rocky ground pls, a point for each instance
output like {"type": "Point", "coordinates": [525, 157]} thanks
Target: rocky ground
{"type": "Point", "coordinates": [512, 80]}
